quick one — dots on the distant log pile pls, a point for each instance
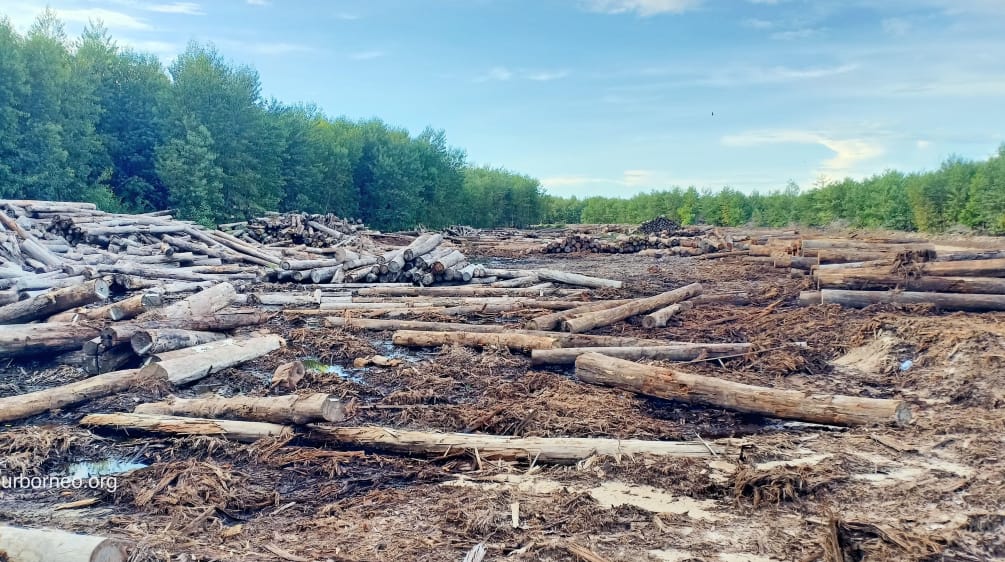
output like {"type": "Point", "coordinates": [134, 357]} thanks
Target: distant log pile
{"type": "Point", "coordinates": [658, 225]}
{"type": "Point", "coordinates": [315, 231]}
{"type": "Point", "coordinates": [688, 242]}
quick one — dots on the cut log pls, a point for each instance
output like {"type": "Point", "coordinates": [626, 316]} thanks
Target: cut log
{"type": "Point", "coordinates": [203, 303]}
{"type": "Point", "coordinates": [943, 301]}
{"type": "Point", "coordinates": [220, 322]}
{"type": "Point", "coordinates": [577, 279]}
{"type": "Point", "coordinates": [860, 278]}
{"type": "Point", "coordinates": [512, 341]}
{"type": "Point", "coordinates": [673, 384]}
{"type": "Point", "coordinates": [559, 450]}
{"type": "Point", "coordinates": [464, 292]}
{"type": "Point", "coordinates": [199, 363]}
{"type": "Point", "coordinates": [244, 431]}
{"type": "Point", "coordinates": [134, 306]}
{"type": "Point", "coordinates": [109, 359]}
{"type": "Point", "coordinates": [25, 405]}
{"type": "Point", "coordinates": [51, 545]}
{"type": "Point", "coordinates": [592, 320]}
{"type": "Point", "coordinates": [555, 319]}
{"type": "Point", "coordinates": [290, 408]}
{"type": "Point", "coordinates": [965, 268]}
{"type": "Point", "coordinates": [34, 339]}
{"type": "Point", "coordinates": [422, 245]}
{"type": "Point", "coordinates": [50, 303]}
{"type": "Point", "coordinates": [659, 318]}
{"type": "Point", "coordinates": [671, 351]}
{"type": "Point", "coordinates": [146, 342]}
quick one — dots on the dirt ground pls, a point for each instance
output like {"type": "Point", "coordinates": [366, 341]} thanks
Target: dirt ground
{"type": "Point", "coordinates": [934, 490]}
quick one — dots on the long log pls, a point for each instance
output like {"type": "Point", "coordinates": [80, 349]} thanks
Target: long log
{"type": "Point", "coordinates": [50, 303]}
{"type": "Point", "coordinates": [659, 318]}
{"type": "Point", "coordinates": [219, 322]}
{"type": "Point", "coordinates": [592, 320]}
{"type": "Point", "coordinates": [943, 301]}
{"type": "Point", "coordinates": [33, 339]}
{"type": "Point", "coordinates": [555, 319]}
{"type": "Point", "coordinates": [199, 364]}
{"type": "Point", "coordinates": [671, 351]}
{"type": "Point", "coordinates": [203, 303]}
{"type": "Point", "coordinates": [513, 341]}
{"type": "Point", "coordinates": [965, 268]}
{"type": "Point", "coordinates": [51, 545]}
{"type": "Point", "coordinates": [290, 408]}
{"type": "Point", "coordinates": [422, 245]}
{"type": "Point", "coordinates": [673, 384]}
{"type": "Point", "coordinates": [856, 278]}
{"type": "Point", "coordinates": [244, 431]}
{"type": "Point", "coordinates": [578, 279]}
{"type": "Point", "coordinates": [146, 342]}
{"type": "Point", "coordinates": [25, 405]}
{"type": "Point", "coordinates": [558, 450]}
{"type": "Point", "coordinates": [464, 292]}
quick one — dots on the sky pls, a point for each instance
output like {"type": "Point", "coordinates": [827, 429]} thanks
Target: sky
{"type": "Point", "coordinates": [616, 97]}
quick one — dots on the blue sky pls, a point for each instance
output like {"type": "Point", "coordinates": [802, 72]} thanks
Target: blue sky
{"type": "Point", "coordinates": [614, 97]}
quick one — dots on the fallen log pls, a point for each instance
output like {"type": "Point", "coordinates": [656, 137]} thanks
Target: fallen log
{"type": "Point", "coordinates": [51, 545]}
{"type": "Point", "coordinates": [464, 292]}
{"type": "Point", "coordinates": [25, 405]}
{"type": "Point", "coordinates": [200, 363]}
{"type": "Point", "coordinates": [219, 322]}
{"type": "Point", "coordinates": [859, 279]}
{"type": "Point", "coordinates": [943, 301]}
{"type": "Point", "coordinates": [964, 268]}
{"type": "Point", "coordinates": [659, 318]}
{"type": "Point", "coordinates": [512, 341]}
{"type": "Point", "coordinates": [53, 302]}
{"type": "Point", "coordinates": [422, 245]}
{"type": "Point", "coordinates": [673, 384]}
{"type": "Point", "coordinates": [671, 351]}
{"type": "Point", "coordinates": [592, 320]}
{"type": "Point", "coordinates": [499, 447]}
{"type": "Point", "coordinates": [203, 303]}
{"type": "Point", "coordinates": [50, 337]}
{"type": "Point", "coordinates": [145, 342]}
{"type": "Point", "coordinates": [555, 319]}
{"type": "Point", "coordinates": [290, 408]}
{"type": "Point", "coordinates": [134, 306]}
{"type": "Point", "coordinates": [243, 431]}
{"type": "Point", "coordinates": [577, 279]}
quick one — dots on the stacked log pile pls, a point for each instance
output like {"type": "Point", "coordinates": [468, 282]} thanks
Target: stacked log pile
{"type": "Point", "coordinates": [658, 225]}
{"type": "Point", "coordinates": [689, 242]}
{"type": "Point", "coordinates": [312, 230]}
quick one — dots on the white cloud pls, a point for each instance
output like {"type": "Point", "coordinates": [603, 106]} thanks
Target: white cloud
{"type": "Point", "coordinates": [187, 8]}
{"type": "Point", "coordinates": [258, 2]}
{"type": "Point", "coordinates": [896, 26]}
{"type": "Point", "coordinates": [784, 73]}
{"type": "Point", "coordinates": [756, 23]}
{"type": "Point", "coordinates": [847, 151]}
{"type": "Point", "coordinates": [643, 8]}
{"type": "Point", "coordinates": [546, 76]}
{"type": "Point", "coordinates": [367, 55]}
{"type": "Point", "coordinates": [23, 14]}
{"type": "Point", "coordinates": [346, 16]}
{"type": "Point", "coordinates": [795, 34]}
{"type": "Point", "coordinates": [497, 74]}
{"type": "Point", "coordinates": [503, 74]}
{"type": "Point", "coordinates": [629, 178]}
{"type": "Point", "coordinates": [922, 144]}
{"type": "Point", "coordinates": [769, 2]}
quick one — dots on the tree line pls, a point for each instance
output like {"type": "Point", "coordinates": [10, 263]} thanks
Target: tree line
{"type": "Point", "coordinates": [960, 193]}
{"type": "Point", "coordinates": [87, 120]}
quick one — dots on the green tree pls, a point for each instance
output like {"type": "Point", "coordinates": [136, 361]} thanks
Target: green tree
{"type": "Point", "coordinates": [188, 169]}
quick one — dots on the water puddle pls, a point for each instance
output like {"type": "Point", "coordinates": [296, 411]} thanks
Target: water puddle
{"type": "Point", "coordinates": [391, 351]}
{"type": "Point", "coordinates": [105, 467]}
{"type": "Point", "coordinates": [318, 366]}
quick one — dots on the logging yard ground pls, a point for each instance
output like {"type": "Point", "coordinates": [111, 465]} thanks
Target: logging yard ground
{"type": "Point", "coordinates": [932, 490]}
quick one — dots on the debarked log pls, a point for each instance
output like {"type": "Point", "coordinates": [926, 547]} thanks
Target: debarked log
{"type": "Point", "coordinates": [290, 408]}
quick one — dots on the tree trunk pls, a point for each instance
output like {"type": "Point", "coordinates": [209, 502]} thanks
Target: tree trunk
{"type": "Point", "coordinates": [50, 303]}
{"type": "Point", "coordinates": [464, 292]}
{"type": "Point", "coordinates": [672, 384]}
{"type": "Point", "coordinates": [564, 450]}
{"type": "Point", "coordinates": [48, 338]}
{"type": "Point", "coordinates": [670, 351]}
{"type": "Point", "coordinates": [600, 318]}
{"type": "Point", "coordinates": [203, 303]}
{"type": "Point", "coordinates": [577, 279]}
{"type": "Point", "coordinates": [25, 405]}
{"type": "Point", "coordinates": [516, 282]}
{"type": "Point", "coordinates": [198, 364]}
{"type": "Point", "coordinates": [134, 306]}
{"type": "Point", "coordinates": [659, 318]}
{"type": "Point", "coordinates": [555, 319]}
{"type": "Point", "coordinates": [146, 342]}
{"type": "Point", "coordinates": [965, 268]}
{"type": "Point", "coordinates": [943, 301]}
{"type": "Point", "coordinates": [515, 342]}
{"type": "Point", "coordinates": [421, 245]}
{"type": "Point", "coordinates": [855, 278]}
{"type": "Point", "coordinates": [244, 431]}
{"type": "Point", "coordinates": [51, 545]}
{"type": "Point", "coordinates": [290, 408]}
{"type": "Point", "coordinates": [220, 322]}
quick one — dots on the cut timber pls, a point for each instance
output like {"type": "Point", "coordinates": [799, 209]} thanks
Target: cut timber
{"type": "Point", "coordinates": [660, 318]}
{"type": "Point", "coordinates": [464, 292]}
{"type": "Point", "coordinates": [199, 363]}
{"type": "Point", "coordinates": [862, 278]}
{"type": "Point", "coordinates": [123, 333]}
{"type": "Point", "coordinates": [672, 351]}
{"type": "Point", "coordinates": [53, 302]}
{"type": "Point", "coordinates": [500, 447]}
{"type": "Point", "coordinates": [965, 268]}
{"type": "Point", "coordinates": [32, 403]}
{"type": "Point", "coordinates": [422, 245]}
{"type": "Point", "coordinates": [51, 545]}
{"type": "Point", "coordinates": [244, 431]}
{"type": "Point", "coordinates": [134, 306]}
{"type": "Point", "coordinates": [672, 384]}
{"type": "Point", "coordinates": [592, 320]}
{"type": "Point", "coordinates": [577, 279]}
{"type": "Point", "coordinates": [513, 341]}
{"type": "Point", "coordinates": [156, 341]}
{"type": "Point", "coordinates": [290, 408]}
{"type": "Point", "coordinates": [944, 301]}
{"type": "Point", "coordinates": [203, 303]}
{"type": "Point", "coordinates": [555, 319]}
{"type": "Point", "coordinates": [51, 337]}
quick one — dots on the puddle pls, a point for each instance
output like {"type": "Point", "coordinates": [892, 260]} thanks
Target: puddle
{"type": "Point", "coordinates": [391, 351]}
{"type": "Point", "coordinates": [313, 364]}
{"type": "Point", "coordinates": [106, 467]}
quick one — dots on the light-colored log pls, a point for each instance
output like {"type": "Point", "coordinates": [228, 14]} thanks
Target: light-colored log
{"type": "Point", "coordinates": [135, 305]}
{"type": "Point", "coordinates": [943, 301]}
{"type": "Point", "coordinates": [244, 431]}
{"type": "Point", "coordinates": [577, 279]}
{"type": "Point", "coordinates": [151, 341]}
{"type": "Point", "coordinates": [290, 408]}
{"type": "Point", "coordinates": [659, 318]}
{"type": "Point", "coordinates": [53, 302]}
{"type": "Point", "coordinates": [674, 384]}
{"type": "Point", "coordinates": [203, 303]}
{"type": "Point", "coordinates": [464, 292]}
{"type": "Point", "coordinates": [861, 278]}
{"type": "Point", "coordinates": [555, 319]}
{"type": "Point", "coordinates": [591, 320]}
{"type": "Point", "coordinates": [200, 363]}
{"type": "Point", "coordinates": [512, 341]}
{"type": "Point", "coordinates": [422, 245]}
{"type": "Point", "coordinates": [671, 351]}
{"type": "Point", "coordinates": [50, 337]}
{"type": "Point", "coordinates": [52, 545]}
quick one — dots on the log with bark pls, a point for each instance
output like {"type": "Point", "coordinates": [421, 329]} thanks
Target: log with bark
{"type": "Point", "coordinates": [47, 304]}
{"type": "Point", "coordinates": [871, 278]}
{"type": "Point", "coordinates": [555, 319]}
{"type": "Point", "coordinates": [200, 363]}
{"type": "Point", "coordinates": [243, 431]}
{"type": "Point", "coordinates": [150, 341]}
{"type": "Point", "coordinates": [219, 322]}
{"type": "Point", "coordinates": [512, 341]}
{"type": "Point", "coordinates": [943, 301]}
{"type": "Point", "coordinates": [670, 351]}
{"type": "Point", "coordinates": [34, 339]}
{"type": "Point", "coordinates": [674, 384]}
{"type": "Point", "coordinates": [203, 303]}
{"type": "Point", "coordinates": [290, 408]}
{"type": "Point", "coordinates": [591, 320]}
{"type": "Point", "coordinates": [659, 318]}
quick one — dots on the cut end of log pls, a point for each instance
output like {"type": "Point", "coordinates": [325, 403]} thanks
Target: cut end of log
{"type": "Point", "coordinates": [902, 415]}
{"type": "Point", "coordinates": [333, 410]}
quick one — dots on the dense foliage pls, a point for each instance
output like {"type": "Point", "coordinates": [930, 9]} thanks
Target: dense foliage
{"type": "Point", "coordinates": [959, 193]}
{"type": "Point", "coordinates": [87, 120]}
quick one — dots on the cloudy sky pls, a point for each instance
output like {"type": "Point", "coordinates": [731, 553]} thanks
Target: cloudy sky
{"type": "Point", "coordinates": [614, 97]}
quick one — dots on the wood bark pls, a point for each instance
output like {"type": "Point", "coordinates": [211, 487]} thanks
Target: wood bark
{"type": "Point", "coordinates": [290, 408]}
{"type": "Point", "coordinates": [198, 364]}
{"type": "Point", "coordinates": [32, 339]}
{"type": "Point", "coordinates": [50, 303]}
{"type": "Point", "coordinates": [860, 278]}
{"type": "Point", "coordinates": [146, 342]}
{"type": "Point", "coordinates": [464, 292]}
{"type": "Point", "coordinates": [219, 322]}
{"type": "Point", "coordinates": [244, 431]}
{"type": "Point", "coordinates": [203, 303]}
{"type": "Point", "coordinates": [673, 384]}
{"type": "Point", "coordinates": [943, 301]}
{"type": "Point", "coordinates": [592, 320]}
{"type": "Point", "coordinates": [671, 351]}
{"type": "Point", "coordinates": [52, 545]}
{"type": "Point", "coordinates": [422, 245]}
{"type": "Point", "coordinates": [555, 319]}
{"type": "Point", "coordinates": [965, 268]}
{"type": "Point", "coordinates": [577, 279]}
{"type": "Point", "coordinates": [513, 341]}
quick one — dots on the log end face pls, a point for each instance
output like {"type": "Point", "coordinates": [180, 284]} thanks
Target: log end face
{"type": "Point", "coordinates": [101, 289]}
{"type": "Point", "coordinates": [333, 410]}
{"type": "Point", "coordinates": [111, 551]}
{"type": "Point", "coordinates": [902, 414]}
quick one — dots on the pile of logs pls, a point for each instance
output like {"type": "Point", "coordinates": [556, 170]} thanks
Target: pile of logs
{"type": "Point", "coordinates": [316, 231]}
{"type": "Point", "coordinates": [861, 272]}
{"type": "Point", "coordinates": [658, 225]}
{"type": "Point", "coordinates": [691, 242]}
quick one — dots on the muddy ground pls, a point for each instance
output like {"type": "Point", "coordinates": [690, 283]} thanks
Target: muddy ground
{"type": "Point", "coordinates": [934, 490]}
